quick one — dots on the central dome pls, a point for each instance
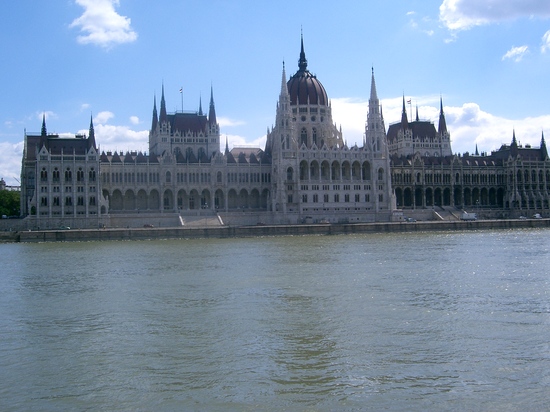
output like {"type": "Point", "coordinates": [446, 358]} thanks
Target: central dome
{"type": "Point", "coordinates": [303, 87]}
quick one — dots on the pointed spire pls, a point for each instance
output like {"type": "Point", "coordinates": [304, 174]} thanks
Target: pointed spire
{"type": "Point", "coordinates": [212, 111]}
{"type": "Point", "coordinates": [226, 145]}
{"type": "Point", "coordinates": [477, 152]}
{"type": "Point", "coordinates": [284, 89]}
{"type": "Point", "coordinates": [44, 131]}
{"type": "Point", "coordinates": [442, 127]}
{"type": "Point", "coordinates": [200, 105]}
{"type": "Point", "coordinates": [91, 134]}
{"type": "Point", "coordinates": [417, 119]}
{"type": "Point", "coordinates": [514, 145]}
{"type": "Point", "coordinates": [302, 64]}
{"type": "Point", "coordinates": [163, 116]}
{"type": "Point", "coordinates": [373, 94]}
{"type": "Point", "coordinates": [404, 120]}
{"type": "Point", "coordinates": [543, 149]}
{"type": "Point", "coordinates": [155, 115]}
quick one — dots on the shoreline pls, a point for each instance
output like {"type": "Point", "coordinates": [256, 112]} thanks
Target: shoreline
{"type": "Point", "coordinates": [181, 232]}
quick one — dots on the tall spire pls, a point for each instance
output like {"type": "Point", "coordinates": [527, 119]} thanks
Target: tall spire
{"type": "Point", "coordinates": [44, 131]}
{"type": "Point", "coordinates": [302, 64]}
{"type": "Point", "coordinates": [442, 128]}
{"type": "Point", "coordinates": [543, 149]}
{"type": "Point", "coordinates": [404, 120]}
{"type": "Point", "coordinates": [284, 88]}
{"type": "Point", "coordinates": [212, 111]}
{"type": "Point", "coordinates": [373, 94]}
{"type": "Point", "coordinates": [155, 115]}
{"type": "Point", "coordinates": [163, 116]}
{"type": "Point", "coordinates": [226, 146]}
{"type": "Point", "coordinates": [200, 105]}
{"type": "Point", "coordinates": [417, 119]}
{"type": "Point", "coordinates": [91, 134]}
{"type": "Point", "coordinates": [514, 145]}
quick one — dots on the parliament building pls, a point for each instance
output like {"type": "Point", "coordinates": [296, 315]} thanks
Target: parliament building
{"type": "Point", "coordinates": [305, 173]}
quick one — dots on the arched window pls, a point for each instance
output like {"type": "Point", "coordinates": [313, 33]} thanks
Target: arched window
{"type": "Point", "coordinates": [68, 175]}
{"type": "Point", "coordinates": [314, 136]}
{"type": "Point", "coordinates": [168, 177]}
{"type": "Point", "coordinates": [289, 173]}
{"type": "Point", "coordinates": [303, 136]}
{"type": "Point", "coordinates": [44, 175]}
{"type": "Point", "coordinates": [91, 175]}
{"type": "Point", "coordinates": [219, 177]}
{"type": "Point", "coordinates": [380, 174]}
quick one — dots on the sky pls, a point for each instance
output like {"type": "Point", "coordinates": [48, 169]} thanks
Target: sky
{"type": "Point", "coordinates": [72, 60]}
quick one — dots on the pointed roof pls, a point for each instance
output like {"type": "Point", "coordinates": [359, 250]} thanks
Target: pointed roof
{"type": "Point", "coordinates": [200, 105]}
{"type": "Point", "coordinates": [155, 115]}
{"type": "Point", "coordinates": [373, 94]}
{"type": "Point", "coordinates": [91, 135]}
{"type": "Point", "coordinates": [543, 149]}
{"type": "Point", "coordinates": [43, 131]}
{"type": "Point", "coordinates": [212, 111]}
{"type": "Point", "coordinates": [303, 87]}
{"type": "Point", "coordinates": [442, 127]}
{"type": "Point", "coordinates": [163, 116]}
{"type": "Point", "coordinates": [404, 120]}
{"type": "Point", "coordinates": [417, 119]}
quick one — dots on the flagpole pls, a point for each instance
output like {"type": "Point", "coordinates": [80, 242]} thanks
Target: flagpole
{"type": "Point", "coordinates": [181, 92]}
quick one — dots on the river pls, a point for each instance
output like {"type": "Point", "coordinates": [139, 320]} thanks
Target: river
{"type": "Point", "coordinates": [440, 321]}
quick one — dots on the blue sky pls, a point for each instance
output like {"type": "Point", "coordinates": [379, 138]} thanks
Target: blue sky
{"type": "Point", "coordinates": [72, 59]}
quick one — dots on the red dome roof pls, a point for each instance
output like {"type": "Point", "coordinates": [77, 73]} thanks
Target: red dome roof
{"type": "Point", "coordinates": [303, 87]}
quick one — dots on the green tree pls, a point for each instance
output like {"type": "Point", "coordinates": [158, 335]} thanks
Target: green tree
{"type": "Point", "coordinates": [9, 203]}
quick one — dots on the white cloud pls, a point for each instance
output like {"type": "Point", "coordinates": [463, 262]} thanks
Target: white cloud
{"type": "Point", "coordinates": [102, 25]}
{"type": "Point", "coordinates": [516, 53]}
{"type": "Point", "coordinates": [103, 117]}
{"type": "Point", "coordinates": [465, 14]}
{"type": "Point", "coordinates": [240, 141]}
{"type": "Point", "coordinates": [10, 162]}
{"type": "Point", "coordinates": [120, 138]}
{"type": "Point", "coordinates": [227, 122]}
{"type": "Point", "coordinates": [134, 119]}
{"type": "Point", "coordinates": [545, 42]}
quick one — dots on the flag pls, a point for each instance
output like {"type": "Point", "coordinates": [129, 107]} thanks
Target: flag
{"type": "Point", "coordinates": [408, 101]}
{"type": "Point", "coordinates": [181, 89]}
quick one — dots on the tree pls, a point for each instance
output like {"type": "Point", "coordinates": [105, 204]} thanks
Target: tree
{"type": "Point", "coordinates": [10, 203]}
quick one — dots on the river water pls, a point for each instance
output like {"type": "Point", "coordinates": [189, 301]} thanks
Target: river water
{"type": "Point", "coordinates": [409, 321]}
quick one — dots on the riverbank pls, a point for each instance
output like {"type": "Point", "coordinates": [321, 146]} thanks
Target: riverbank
{"type": "Point", "coordinates": [75, 235]}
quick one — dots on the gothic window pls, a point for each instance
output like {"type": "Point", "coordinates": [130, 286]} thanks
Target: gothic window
{"type": "Point", "coordinates": [92, 200]}
{"type": "Point", "coordinates": [381, 174]}
{"type": "Point", "coordinates": [44, 175]}
{"type": "Point", "coordinates": [68, 175]}
{"type": "Point", "coordinates": [55, 175]}
{"type": "Point", "coordinates": [314, 136]}
{"type": "Point", "coordinates": [189, 152]}
{"type": "Point", "coordinates": [289, 173]}
{"type": "Point", "coordinates": [68, 201]}
{"type": "Point", "coordinates": [91, 175]}
{"type": "Point", "coordinates": [303, 136]}
{"type": "Point", "coordinates": [79, 175]}
{"type": "Point", "coordinates": [168, 177]}
{"type": "Point", "coordinates": [219, 177]}
{"type": "Point", "coordinates": [201, 152]}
